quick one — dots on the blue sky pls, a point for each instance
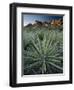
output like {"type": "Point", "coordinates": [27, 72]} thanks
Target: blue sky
{"type": "Point", "coordinates": [30, 18]}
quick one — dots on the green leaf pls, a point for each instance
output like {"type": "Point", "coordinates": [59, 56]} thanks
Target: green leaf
{"type": "Point", "coordinates": [32, 65]}
{"type": "Point", "coordinates": [56, 66]}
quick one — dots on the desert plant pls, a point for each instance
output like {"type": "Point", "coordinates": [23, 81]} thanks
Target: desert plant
{"type": "Point", "coordinates": [42, 54]}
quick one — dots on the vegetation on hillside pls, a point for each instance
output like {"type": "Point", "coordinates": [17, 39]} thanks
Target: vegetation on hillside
{"type": "Point", "coordinates": [42, 49]}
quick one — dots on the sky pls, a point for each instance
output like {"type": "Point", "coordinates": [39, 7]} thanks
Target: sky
{"type": "Point", "coordinates": [30, 18]}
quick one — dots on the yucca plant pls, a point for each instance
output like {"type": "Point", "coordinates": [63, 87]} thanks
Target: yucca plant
{"type": "Point", "coordinates": [44, 54]}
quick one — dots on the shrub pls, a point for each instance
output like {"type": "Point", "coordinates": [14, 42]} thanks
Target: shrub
{"type": "Point", "coordinates": [44, 53]}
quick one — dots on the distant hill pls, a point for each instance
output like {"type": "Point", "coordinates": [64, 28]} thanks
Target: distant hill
{"type": "Point", "coordinates": [53, 22]}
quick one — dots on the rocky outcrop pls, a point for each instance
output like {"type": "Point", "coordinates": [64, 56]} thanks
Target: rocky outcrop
{"type": "Point", "coordinates": [53, 22]}
{"type": "Point", "coordinates": [57, 23]}
{"type": "Point", "coordinates": [29, 25]}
